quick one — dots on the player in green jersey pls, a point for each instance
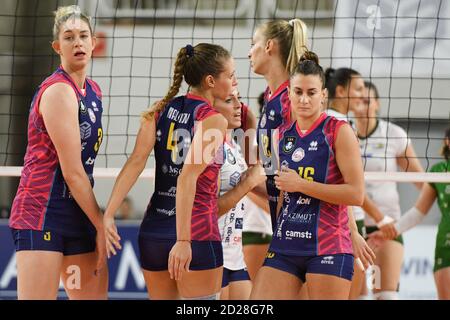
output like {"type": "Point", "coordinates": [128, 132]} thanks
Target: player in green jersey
{"type": "Point", "coordinates": [430, 192]}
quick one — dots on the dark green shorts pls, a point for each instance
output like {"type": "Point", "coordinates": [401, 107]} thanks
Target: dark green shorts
{"type": "Point", "coordinates": [255, 238]}
{"type": "Point", "coordinates": [369, 230]}
{"type": "Point", "coordinates": [441, 258]}
{"type": "Point", "coordinates": [361, 228]}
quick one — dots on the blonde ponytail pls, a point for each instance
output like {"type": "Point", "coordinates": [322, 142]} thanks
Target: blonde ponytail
{"type": "Point", "coordinates": [299, 44]}
{"type": "Point", "coordinates": [291, 37]}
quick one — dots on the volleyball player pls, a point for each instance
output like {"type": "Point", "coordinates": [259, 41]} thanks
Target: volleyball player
{"type": "Point", "coordinates": [56, 222]}
{"type": "Point", "coordinates": [276, 49]}
{"type": "Point", "coordinates": [384, 147]}
{"type": "Point", "coordinates": [312, 239]}
{"type": "Point", "coordinates": [345, 88]}
{"type": "Point", "coordinates": [257, 231]}
{"type": "Point", "coordinates": [236, 180]}
{"type": "Point", "coordinates": [179, 232]}
{"type": "Point", "coordinates": [430, 192]}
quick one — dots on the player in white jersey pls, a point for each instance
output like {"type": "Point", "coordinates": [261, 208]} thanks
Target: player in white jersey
{"type": "Point", "coordinates": [345, 91]}
{"type": "Point", "coordinates": [236, 180]}
{"type": "Point", "coordinates": [384, 147]}
{"type": "Point", "coordinates": [257, 232]}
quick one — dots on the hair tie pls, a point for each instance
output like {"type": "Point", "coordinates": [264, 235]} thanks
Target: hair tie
{"type": "Point", "coordinates": [189, 51]}
{"type": "Point", "coordinates": [291, 22]}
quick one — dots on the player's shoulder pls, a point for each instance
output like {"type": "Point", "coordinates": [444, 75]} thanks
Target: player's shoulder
{"type": "Point", "coordinates": [95, 87]}
{"type": "Point", "coordinates": [443, 166]}
{"type": "Point", "coordinates": [391, 129]}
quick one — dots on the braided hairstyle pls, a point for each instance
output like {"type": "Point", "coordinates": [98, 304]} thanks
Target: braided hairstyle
{"type": "Point", "coordinates": [192, 64]}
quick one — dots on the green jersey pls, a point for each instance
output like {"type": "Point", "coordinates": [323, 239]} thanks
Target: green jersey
{"type": "Point", "coordinates": [442, 253]}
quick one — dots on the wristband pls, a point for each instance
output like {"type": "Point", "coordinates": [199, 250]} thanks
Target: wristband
{"type": "Point", "coordinates": [386, 220]}
{"type": "Point", "coordinates": [411, 218]}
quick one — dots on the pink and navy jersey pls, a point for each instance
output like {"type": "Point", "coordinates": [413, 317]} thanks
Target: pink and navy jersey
{"type": "Point", "coordinates": [276, 113]}
{"type": "Point", "coordinates": [43, 200]}
{"type": "Point", "coordinates": [308, 226]}
{"type": "Point", "coordinates": [175, 129]}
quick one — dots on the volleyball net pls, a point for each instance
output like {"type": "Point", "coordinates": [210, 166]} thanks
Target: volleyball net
{"type": "Point", "coordinates": [401, 46]}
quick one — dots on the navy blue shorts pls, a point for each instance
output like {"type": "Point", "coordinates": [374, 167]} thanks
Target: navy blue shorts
{"type": "Point", "coordinates": [339, 265]}
{"type": "Point", "coordinates": [154, 254]}
{"type": "Point", "coordinates": [32, 240]}
{"type": "Point", "coordinates": [234, 275]}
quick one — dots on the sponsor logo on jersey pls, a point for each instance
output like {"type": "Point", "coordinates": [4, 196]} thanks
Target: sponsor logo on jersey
{"type": "Point", "coordinates": [263, 121]}
{"type": "Point", "coordinates": [286, 197]}
{"type": "Point", "coordinates": [94, 106]}
{"type": "Point", "coordinates": [327, 260]}
{"type": "Point", "coordinates": [313, 146]}
{"type": "Point", "coordinates": [172, 171]}
{"type": "Point", "coordinates": [239, 223]}
{"type": "Point", "coordinates": [158, 135]}
{"type": "Point", "coordinates": [90, 161]}
{"type": "Point", "coordinates": [235, 178]}
{"type": "Point", "coordinates": [302, 201]}
{"type": "Point", "coordinates": [289, 144]}
{"type": "Point", "coordinates": [284, 165]}
{"type": "Point", "coordinates": [270, 255]}
{"type": "Point", "coordinates": [298, 155]}
{"type": "Point", "coordinates": [172, 192]}
{"type": "Point", "coordinates": [175, 115]}
{"type": "Point", "coordinates": [48, 236]}
{"type": "Point", "coordinates": [166, 212]}
{"type": "Point", "coordinates": [304, 218]}
{"type": "Point", "coordinates": [272, 115]}
{"type": "Point", "coordinates": [298, 234]}
{"type": "Point", "coordinates": [92, 115]}
{"type": "Point", "coordinates": [83, 108]}
{"type": "Point", "coordinates": [85, 130]}
{"type": "Point", "coordinates": [230, 157]}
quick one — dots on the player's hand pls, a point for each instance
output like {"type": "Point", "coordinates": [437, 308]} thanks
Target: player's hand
{"type": "Point", "coordinates": [179, 259]}
{"type": "Point", "coordinates": [254, 176]}
{"type": "Point", "coordinates": [100, 250]}
{"type": "Point", "coordinates": [362, 251]}
{"type": "Point", "coordinates": [287, 180]}
{"type": "Point", "coordinates": [112, 238]}
{"type": "Point", "coordinates": [389, 231]}
{"type": "Point", "coordinates": [376, 239]}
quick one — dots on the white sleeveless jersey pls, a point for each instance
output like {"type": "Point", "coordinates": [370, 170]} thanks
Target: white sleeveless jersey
{"type": "Point", "coordinates": [358, 212]}
{"type": "Point", "coordinates": [379, 152]}
{"type": "Point", "coordinates": [256, 219]}
{"type": "Point", "coordinates": [231, 223]}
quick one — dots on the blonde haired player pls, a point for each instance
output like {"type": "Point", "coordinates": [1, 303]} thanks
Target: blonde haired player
{"type": "Point", "coordinates": [56, 222]}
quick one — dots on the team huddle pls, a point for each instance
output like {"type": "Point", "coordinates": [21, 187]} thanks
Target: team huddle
{"type": "Point", "coordinates": [217, 170]}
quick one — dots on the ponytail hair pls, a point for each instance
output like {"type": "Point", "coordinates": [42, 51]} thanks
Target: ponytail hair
{"type": "Point", "coordinates": [291, 37]}
{"type": "Point", "coordinates": [192, 64]}
{"type": "Point", "coordinates": [446, 148]}
{"type": "Point", "coordinates": [177, 79]}
{"type": "Point", "coordinates": [299, 44]}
